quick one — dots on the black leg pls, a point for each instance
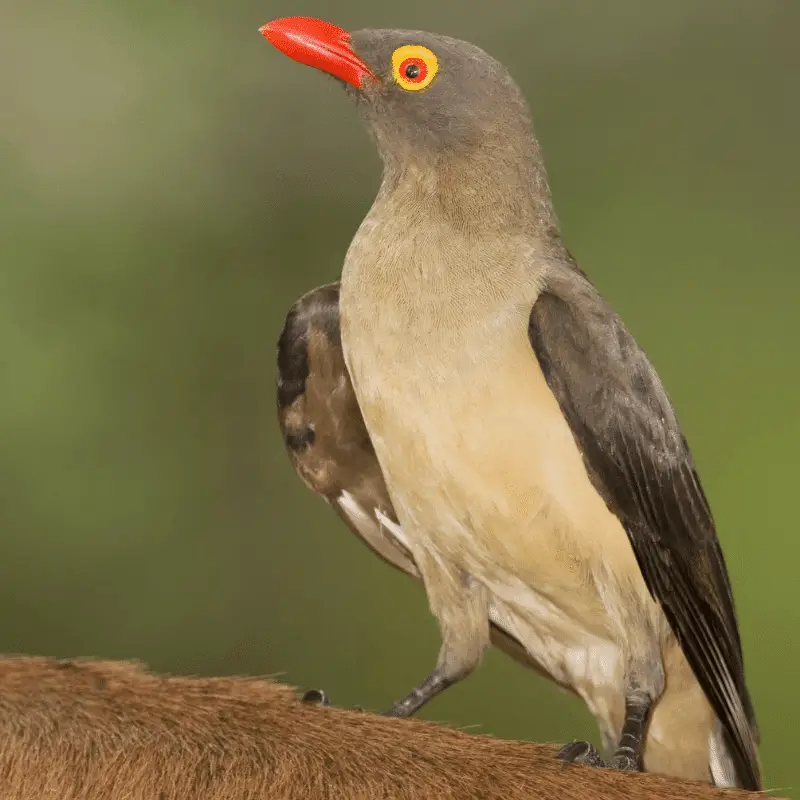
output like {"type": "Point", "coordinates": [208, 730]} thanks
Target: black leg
{"type": "Point", "coordinates": [462, 603]}
{"type": "Point", "coordinates": [628, 755]}
{"type": "Point", "coordinates": [434, 684]}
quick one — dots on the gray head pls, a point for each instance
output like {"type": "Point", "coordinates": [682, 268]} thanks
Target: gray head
{"type": "Point", "coordinates": [427, 99]}
{"type": "Point", "coordinates": [435, 93]}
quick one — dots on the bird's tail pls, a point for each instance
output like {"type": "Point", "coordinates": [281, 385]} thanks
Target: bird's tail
{"type": "Point", "coordinates": [720, 760]}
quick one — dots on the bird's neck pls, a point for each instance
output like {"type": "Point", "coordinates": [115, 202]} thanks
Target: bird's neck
{"type": "Point", "coordinates": [453, 243]}
{"type": "Point", "coordinates": [497, 185]}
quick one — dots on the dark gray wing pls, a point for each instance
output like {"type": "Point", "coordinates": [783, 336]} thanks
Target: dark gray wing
{"type": "Point", "coordinates": [639, 462]}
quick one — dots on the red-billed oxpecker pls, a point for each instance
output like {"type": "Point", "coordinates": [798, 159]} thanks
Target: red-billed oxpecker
{"type": "Point", "coordinates": [472, 407]}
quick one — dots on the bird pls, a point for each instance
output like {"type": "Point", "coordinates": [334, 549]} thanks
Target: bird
{"type": "Point", "coordinates": [472, 406]}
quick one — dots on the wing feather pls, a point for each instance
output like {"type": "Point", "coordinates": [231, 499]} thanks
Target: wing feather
{"type": "Point", "coordinates": [640, 463]}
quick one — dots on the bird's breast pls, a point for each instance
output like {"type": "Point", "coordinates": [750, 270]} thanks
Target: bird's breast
{"type": "Point", "coordinates": [480, 462]}
{"type": "Point", "coordinates": [471, 439]}
{"type": "Point", "coordinates": [483, 470]}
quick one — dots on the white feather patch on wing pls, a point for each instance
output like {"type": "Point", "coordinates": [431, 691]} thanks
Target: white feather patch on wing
{"type": "Point", "coordinates": [363, 520]}
{"type": "Point", "coordinates": [393, 528]}
{"type": "Point", "coordinates": [378, 531]}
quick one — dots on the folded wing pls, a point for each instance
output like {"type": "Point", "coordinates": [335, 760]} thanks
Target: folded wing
{"type": "Point", "coordinates": [638, 460]}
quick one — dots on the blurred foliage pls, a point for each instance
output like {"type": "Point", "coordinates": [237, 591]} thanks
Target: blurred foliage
{"type": "Point", "coordinates": [169, 185]}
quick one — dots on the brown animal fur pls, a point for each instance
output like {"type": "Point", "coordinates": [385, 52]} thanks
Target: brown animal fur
{"type": "Point", "coordinates": [101, 730]}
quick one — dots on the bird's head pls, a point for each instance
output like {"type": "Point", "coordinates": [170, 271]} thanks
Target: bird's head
{"type": "Point", "coordinates": [421, 94]}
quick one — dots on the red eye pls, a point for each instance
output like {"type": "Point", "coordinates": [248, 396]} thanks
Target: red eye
{"type": "Point", "coordinates": [414, 70]}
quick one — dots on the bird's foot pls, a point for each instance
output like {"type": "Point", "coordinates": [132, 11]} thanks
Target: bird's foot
{"type": "Point", "coordinates": [585, 753]}
{"type": "Point", "coordinates": [581, 753]}
{"type": "Point", "coordinates": [318, 697]}
{"type": "Point", "coordinates": [315, 697]}
{"type": "Point", "coordinates": [626, 760]}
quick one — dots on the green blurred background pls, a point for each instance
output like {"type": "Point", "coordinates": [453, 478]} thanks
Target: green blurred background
{"type": "Point", "coordinates": [169, 184]}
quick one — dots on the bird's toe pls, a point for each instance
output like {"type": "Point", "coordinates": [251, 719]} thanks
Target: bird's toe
{"type": "Point", "coordinates": [580, 752]}
{"type": "Point", "coordinates": [625, 761]}
{"type": "Point", "coordinates": [316, 697]}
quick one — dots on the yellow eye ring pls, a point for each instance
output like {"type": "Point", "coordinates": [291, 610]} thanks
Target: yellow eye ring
{"type": "Point", "coordinates": [414, 67]}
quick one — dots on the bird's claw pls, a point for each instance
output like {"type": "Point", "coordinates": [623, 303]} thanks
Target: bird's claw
{"type": "Point", "coordinates": [580, 752]}
{"type": "Point", "coordinates": [315, 697]}
{"type": "Point", "coordinates": [585, 753]}
{"type": "Point", "coordinates": [625, 761]}
{"type": "Point", "coordinates": [318, 697]}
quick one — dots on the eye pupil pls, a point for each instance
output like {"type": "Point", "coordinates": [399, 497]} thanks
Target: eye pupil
{"type": "Point", "coordinates": [412, 71]}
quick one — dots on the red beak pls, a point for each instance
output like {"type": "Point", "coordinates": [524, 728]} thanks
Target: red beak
{"type": "Point", "coordinates": [318, 44]}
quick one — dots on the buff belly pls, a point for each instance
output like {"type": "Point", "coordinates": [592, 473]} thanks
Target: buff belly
{"type": "Point", "coordinates": [508, 502]}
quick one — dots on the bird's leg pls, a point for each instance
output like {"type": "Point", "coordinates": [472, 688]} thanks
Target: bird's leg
{"type": "Point", "coordinates": [644, 685]}
{"type": "Point", "coordinates": [434, 684]}
{"type": "Point", "coordinates": [461, 606]}
{"type": "Point", "coordinates": [628, 755]}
